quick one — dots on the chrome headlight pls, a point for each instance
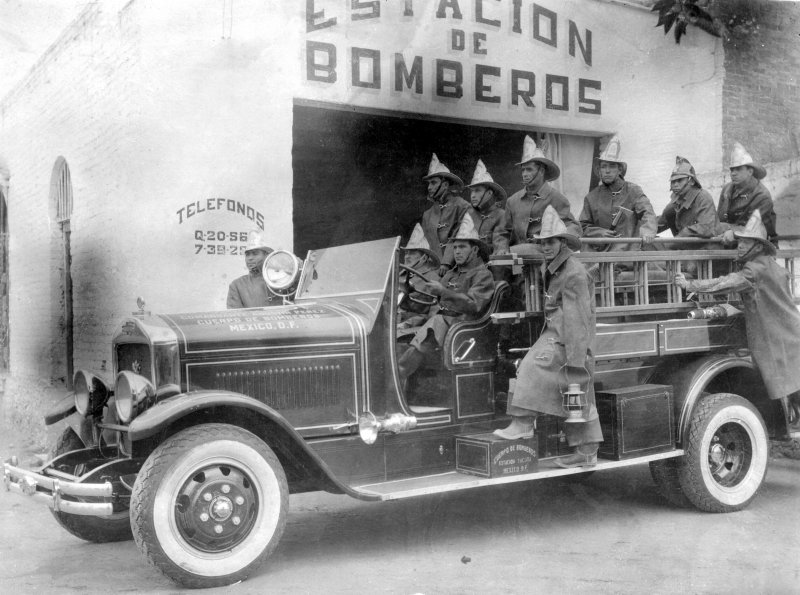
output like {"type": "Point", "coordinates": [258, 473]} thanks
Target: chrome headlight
{"type": "Point", "coordinates": [281, 271]}
{"type": "Point", "coordinates": [131, 391]}
{"type": "Point", "coordinates": [91, 393]}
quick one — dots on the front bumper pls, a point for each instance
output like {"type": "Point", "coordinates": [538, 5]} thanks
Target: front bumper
{"type": "Point", "coordinates": [61, 495]}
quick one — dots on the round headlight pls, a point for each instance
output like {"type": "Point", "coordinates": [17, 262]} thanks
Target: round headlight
{"type": "Point", "coordinates": [281, 271]}
{"type": "Point", "coordinates": [91, 393]}
{"type": "Point", "coordinates": [131, 390]}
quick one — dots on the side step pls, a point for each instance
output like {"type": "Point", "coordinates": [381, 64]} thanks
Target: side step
{"type": "Point", "coordinates": [453, 480]}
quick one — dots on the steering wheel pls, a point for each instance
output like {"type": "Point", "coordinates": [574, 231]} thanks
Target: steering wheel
{"type": "Point", "coordinates": [427, 299]}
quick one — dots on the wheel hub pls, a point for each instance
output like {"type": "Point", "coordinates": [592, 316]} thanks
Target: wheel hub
{"type": "Point", "coordinates": [221, 508]}
{"type": "Point", "coordinates": [730, 454]}
{"type": "Point", "coordinates": [216, 508]}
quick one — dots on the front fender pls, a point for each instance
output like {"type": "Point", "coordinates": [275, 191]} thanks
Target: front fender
{"type": "Point", "coordinates": [64, 408]}
{"type": "Point", "coordinates": [289, 445]}
{"type": "Point", "coordinates": [170, 410]}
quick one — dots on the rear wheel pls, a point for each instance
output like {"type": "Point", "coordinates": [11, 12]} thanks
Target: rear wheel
{"type": "Point", "coordinates": [726, 456]}
{"type": "Point", "coordinates": [96, 529]}
{"type": "Point", "coordinates": [209, 505]}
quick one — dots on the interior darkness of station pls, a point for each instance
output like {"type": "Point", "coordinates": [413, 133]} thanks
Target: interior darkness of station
{"type": "Point", "coordinates": [358, 177]}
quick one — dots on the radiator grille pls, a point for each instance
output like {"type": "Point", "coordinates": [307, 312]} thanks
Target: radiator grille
{"type": "Point", "coordinates": [135, 357]}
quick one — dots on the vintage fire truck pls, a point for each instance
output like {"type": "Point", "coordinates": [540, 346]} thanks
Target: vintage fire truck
{"type": "Point", "coordinates": [213, 418]}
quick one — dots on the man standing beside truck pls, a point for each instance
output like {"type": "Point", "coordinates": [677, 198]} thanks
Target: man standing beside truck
{"type": "Point", "coordinates": [250, 290]}
{"type": "Point", "coordinates": [771, 316]}
{"type": "Point", "coordinates": [562, 355]}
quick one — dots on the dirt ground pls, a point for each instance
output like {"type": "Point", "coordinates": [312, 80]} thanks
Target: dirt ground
{"type": "Point", "coordinates": [611, 533]}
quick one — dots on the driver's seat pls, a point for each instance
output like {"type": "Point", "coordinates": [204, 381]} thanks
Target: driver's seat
{"type": "Point", "coordinates": [466, 381]}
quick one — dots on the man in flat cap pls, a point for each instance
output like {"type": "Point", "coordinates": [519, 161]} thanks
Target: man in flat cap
{"type": "Point", "coordinates": [441, 221]}
{"type": "Point", "coordinates": [250, 290]}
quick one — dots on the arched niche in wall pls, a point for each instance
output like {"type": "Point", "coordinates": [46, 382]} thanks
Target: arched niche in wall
{"type": "Point", "coordinates": [61, 283]}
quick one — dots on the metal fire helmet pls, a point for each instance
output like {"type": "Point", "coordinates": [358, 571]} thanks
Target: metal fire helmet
{"type": "Point", "coordinates": [574, 402]}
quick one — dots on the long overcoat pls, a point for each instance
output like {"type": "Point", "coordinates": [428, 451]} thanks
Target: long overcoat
{"type": "Point", "coordinates": [488, 223]}
{"type": "Point", "coordinates": [772, 320]}
{"type": "Point", "coordinates": [563, 352]}
{"type": "Point", "coordinates": [690, 214]}
{"type": "Point", "coordinates": [737, 204]}
{"type": "Point", "coordinates": [601, 206]}
{"type": "Point", "coordinates": [440, 222]}
{"type": "Point", "coordinates": [468, 290]}
{"type": "Point", "coordinates": [523, 216]}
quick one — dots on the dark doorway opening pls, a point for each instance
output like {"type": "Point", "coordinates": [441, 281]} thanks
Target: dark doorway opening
{"type": "Point", "coordinates": [358, 176]}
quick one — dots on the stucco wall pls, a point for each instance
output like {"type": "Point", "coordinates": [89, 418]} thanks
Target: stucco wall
{"type": "Point", "coordinates": [160, 107]}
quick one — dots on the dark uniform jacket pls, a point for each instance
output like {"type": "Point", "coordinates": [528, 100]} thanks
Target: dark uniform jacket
{"type": "Point", "coordinates": [251, 291]}
{"type": "Point", "coordinates": [601, 206]}
{"type": "Point", "coordinates": [414, 313]}
{"type": "Point", "coordinates": [441, 222]}
{"type": "Point", "coordinates": [488, 223]}
{"type": "Point", "coordinates": [523, 215]}
{"type": "Point", "coordinates": [772, 320]}
{"type": "Point", "coordinates": [563, 352]}
{"type": "Point", "coordinates": [737, 204]}
{"type": "Point", "coordinates": [468, 291]}
{"type": "Point", "coordinates": [690, 214]}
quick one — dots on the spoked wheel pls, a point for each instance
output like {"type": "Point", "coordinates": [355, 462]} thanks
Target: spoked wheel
{"type": "Point", "coordinates": [209, 505]}
{"type": "Point", "coordinates": [726, 454]}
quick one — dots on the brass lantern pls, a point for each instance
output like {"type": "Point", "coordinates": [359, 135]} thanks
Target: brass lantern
{"type": "Point", "coordinates": [574, 403]}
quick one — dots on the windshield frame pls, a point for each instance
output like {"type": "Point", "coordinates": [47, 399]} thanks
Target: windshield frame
{"type": "Point", "coordinates": [336, 256]}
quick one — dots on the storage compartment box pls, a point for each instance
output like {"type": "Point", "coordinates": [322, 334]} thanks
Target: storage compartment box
{"type": "Point", "coordinates": [488, 455]}
{"type": "Point", "coordinates": [636, 421]}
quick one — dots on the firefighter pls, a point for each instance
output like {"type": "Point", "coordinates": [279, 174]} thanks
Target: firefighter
{"type": "Point", "coordinates": [463, 293]}
{"type": "Point", "coordinates": [744, 194]}
{"type": "Point", "coordinates": [419, 256]}
{"type": "Point", "coordinates": [250, 290]}
{"type": "Point", "coordinates": [485, 198]}
{"type": "Point", "coordinates": [771, 317]}
{"type": "Point", "coordinates": [524, 209]}
{"type": "Point", "coordinates": [616, 208]}
{"type": "Point", "coordinates": [690, 212]}
{"type": "Point", "coordinates": [562, 354]}
{"type": "Point", "coordinates": [442, 220]}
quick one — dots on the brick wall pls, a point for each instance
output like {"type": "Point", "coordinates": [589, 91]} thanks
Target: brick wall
{"type": "Point", "coordinates": [761, 92]}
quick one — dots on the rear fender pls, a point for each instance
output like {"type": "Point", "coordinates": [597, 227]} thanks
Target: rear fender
{"type": "Point", "coordinates": [692, 378]}
{"type": "Point", "coordinates": [303, 466]}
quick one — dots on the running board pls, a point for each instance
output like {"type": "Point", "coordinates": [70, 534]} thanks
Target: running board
{"type": "Point", "coordinates": [453, 480]}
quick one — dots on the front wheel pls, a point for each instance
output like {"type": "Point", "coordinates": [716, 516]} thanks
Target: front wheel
{"type": "Point", "coordinates": [97, 529]}
{"type": "Point", "coordinates": [209, 505]}
{"type": "Point", "coordinates": [726, 456]}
